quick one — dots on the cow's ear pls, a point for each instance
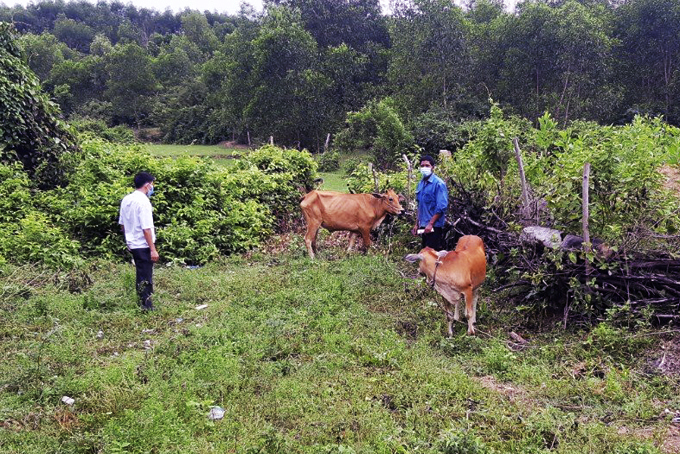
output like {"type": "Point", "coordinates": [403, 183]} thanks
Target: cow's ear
{"type": "Point", "coordinates": [376, 195]}
{"type": "Point", "coordinates": [401, 198]}
{"type": "Point", "coordinates": [413, 257]}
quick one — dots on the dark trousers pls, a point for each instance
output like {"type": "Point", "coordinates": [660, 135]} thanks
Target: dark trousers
{"type": "Point", "coordinates": [433, 239]}
{"type": "Point", "coordinates": [144, 267]}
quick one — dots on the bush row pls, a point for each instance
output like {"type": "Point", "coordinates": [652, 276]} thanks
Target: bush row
{"type": "Point", "coordinates": [200, 210]}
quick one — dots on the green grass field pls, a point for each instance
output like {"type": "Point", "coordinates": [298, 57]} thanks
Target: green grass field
{"type": "Point", "coordinates": [345, 354]}
{"type": "Point", "coordinates": [333, 181]}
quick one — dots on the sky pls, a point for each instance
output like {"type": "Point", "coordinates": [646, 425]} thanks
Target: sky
{"type": "Point", "coordinates": [221, 6]}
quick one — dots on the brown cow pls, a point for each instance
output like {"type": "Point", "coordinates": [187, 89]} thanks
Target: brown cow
{"type": "Point", "coordinates": [357, 213]}
{"type": "Point", "coordinates": [456, 273]}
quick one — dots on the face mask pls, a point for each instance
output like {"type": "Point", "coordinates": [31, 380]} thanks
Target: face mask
{"type": "Point", "coordinates": [426, 171]}
{"type": "Point", "coordinates": [150, 192]}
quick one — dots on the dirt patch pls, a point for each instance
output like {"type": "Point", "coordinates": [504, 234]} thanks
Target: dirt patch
{"type": "Point", "coordinates": [513, 392]}
{"type": "Point", "coordinates": [233, 144]}
{"type": "Point", "coordinates": [671, 443]}
{"type": "Point", "coordinates": [672, 182]}
{"type": "Point", "coordinates": [665, 359]}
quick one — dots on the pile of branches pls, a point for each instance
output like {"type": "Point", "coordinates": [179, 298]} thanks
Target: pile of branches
{"type": "Point", "coordinates": [641, 278]}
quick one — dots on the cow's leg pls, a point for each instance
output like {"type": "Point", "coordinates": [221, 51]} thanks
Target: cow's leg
{"type": "Point", "coordinates": [310, 238]}
{"type": "Point", "coordinates": [450, 318]}
{"type": "Point", "coordinates": [469, 310]}
{"type": "Point", "coordinates": [352, 241]}
{"type": "Point", "coordinates": [456, 314]}
{"type": "Point", "coordinates": [475, 297]}
{"type": "Point", "coordinates": [366, 236]}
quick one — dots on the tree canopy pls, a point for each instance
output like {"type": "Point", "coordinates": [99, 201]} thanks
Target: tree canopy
{"type": "Point", "coordinates": [296, 70]}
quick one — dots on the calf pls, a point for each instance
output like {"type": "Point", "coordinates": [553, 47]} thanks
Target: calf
{"type": "Point", "coordinates": [456, 273]}
{"type": "Point", "coordinates": [357, 213]}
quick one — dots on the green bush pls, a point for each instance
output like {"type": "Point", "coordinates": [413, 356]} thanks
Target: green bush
{"type": "Point", "coordinates": [349, 165]}
{"type": "Point", "coordinates": [328, 161]}
{"type": "Point", "coordinates": [98, 128]}
{"type": "Point", "coordinates": [35, 239]}
{"type": "Point", "coordinates": [437, 130]}
{"type": "Point", "coordinates": [362, 180]}
{"type": "Point", "coordinates": [200, 210]}
{"type": "Point", "coordinates": [378, 128]}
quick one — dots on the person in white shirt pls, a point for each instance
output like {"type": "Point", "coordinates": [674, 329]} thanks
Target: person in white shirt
{"type": "Point", "coordinates": [136, 222]}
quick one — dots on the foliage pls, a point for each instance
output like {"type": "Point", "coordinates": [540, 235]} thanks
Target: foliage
{"type": "Point", "coordinates": [362, 180]}
{"type": "Point", "coordinates": [30, 129]}
{"type": "Point", "coordinates": [378, 128]}
{"type": "Point", "coordinates": [200, 210]}
{"type": "Point", "coordinates": [98, 128]}
{"type": "Point", "coordinates": [328, 161]}
{"type": "Point", "coordinates": [437, 130]}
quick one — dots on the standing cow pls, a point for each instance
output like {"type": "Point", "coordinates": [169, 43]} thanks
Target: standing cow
{"type": "Point", "coordinates": [356, 213]}
{"type": "Point", "coordinates": [456, 273]}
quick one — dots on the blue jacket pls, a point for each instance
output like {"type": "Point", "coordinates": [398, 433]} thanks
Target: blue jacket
{"type": "Point", "coordinates": [433, 198]}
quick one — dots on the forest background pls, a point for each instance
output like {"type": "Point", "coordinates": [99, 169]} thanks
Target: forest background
{"type": "Point", "coordinates": [295, 70]}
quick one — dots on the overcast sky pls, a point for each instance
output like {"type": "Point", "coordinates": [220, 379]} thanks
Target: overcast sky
{"type": "Point", "coordinates": [222, 6]}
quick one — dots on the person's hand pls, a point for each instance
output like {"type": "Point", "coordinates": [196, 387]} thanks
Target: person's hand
{"type": "Point", "coordinates": [428, 228]}
{"type": "Point", "coordinates": [414, 230]}
{"type": "Point", "coordinates": [154, 256]}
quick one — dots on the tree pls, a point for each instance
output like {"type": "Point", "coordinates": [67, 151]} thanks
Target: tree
{"type": "Point", "coordinates": [131, 83]}
{"type": "Point", "coordinates": [197, 30]}
{"type": "Point", "coordinates": [284, 56]}
{"type": "Point", "coordinates": [43, 52]}
{"type": "Point", "coordinates": [31, 131]}
{"type": "Point", "coordinates": [649, 55]}
{"type": "Point", "coordinates": [336, 22]}
{"type": "Point", "coordinates": [555, 59]}
{"type": "Point", "coordinates": [431, 56]}
{"type": "Point", "coordinates": [75, 35]}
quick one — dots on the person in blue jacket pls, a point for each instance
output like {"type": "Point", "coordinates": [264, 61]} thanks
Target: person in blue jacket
{"type": "Point", "coordinates": [433, 200]}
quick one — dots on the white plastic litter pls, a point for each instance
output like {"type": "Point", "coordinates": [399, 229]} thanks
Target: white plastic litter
{"type": "Point", "coordinates": [100, 334]}
{"type": "Point", "coordinates": [216, 413]}
{"type": "Point", "coordinates": [201, 307]}
{"type": "Point", "coordinates": [68, 401]}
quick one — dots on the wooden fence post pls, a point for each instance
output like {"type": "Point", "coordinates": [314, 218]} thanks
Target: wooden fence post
{"type": "Point", "coordinates": [409, 166]}
{"type": "Point", "coordinates": [526, 210]}
{"type": "Point", "coordinates": [586, 232]}
{"type": "Point", "coordinates": [375, 177]}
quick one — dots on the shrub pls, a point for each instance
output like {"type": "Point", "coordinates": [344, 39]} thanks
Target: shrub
{"type": "Point", "coordinates": [437, 130]}
{"type": "Point", "coordinates": [98, 128]}
{"type": "Point", "coordinates": [34, 239]}
{"type": "Point", "coordinates": [328, 161]}
{"type": "Point", "coordinates": [376, 127]}
{"type": "Point", "coordinates": [200, 210]}
{"type": "Point", "coordinates": [349, 165]}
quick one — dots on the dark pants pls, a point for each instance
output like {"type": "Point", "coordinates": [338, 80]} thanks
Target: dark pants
{"type": "Point", "coordinates": [433, 239]}
{"type": "Point", "coordinates": [144, 267]}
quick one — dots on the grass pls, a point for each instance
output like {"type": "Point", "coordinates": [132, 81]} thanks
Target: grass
{"type": "Point", "coordinates": [333, 181]}
{"type": "Point", "coordinates": [342, 354]}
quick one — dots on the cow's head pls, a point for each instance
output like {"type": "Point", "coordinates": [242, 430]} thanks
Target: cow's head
{"type": "Point", "coordinates": [391, 200]}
